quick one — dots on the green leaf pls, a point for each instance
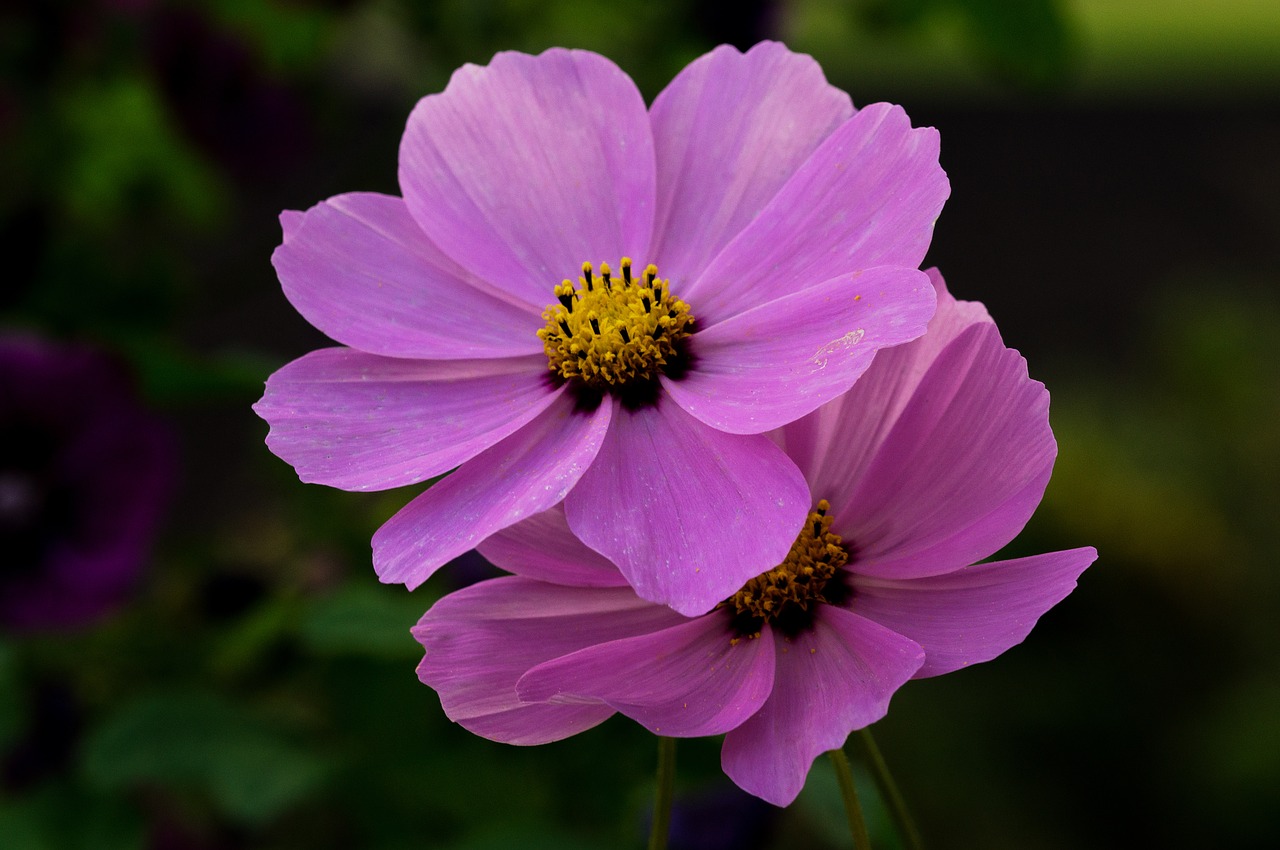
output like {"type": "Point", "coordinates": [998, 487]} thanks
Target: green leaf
{"type": "Point", "coordinates": [22, 827]}
{"type": "Point", "coordinates": [125, 156]}
{"type": "Point", "coordinates": [202, 741]}
{"type": "Point", "coordinates": [1029, 42]}
{"type": "Point", "coordinates": [10, 695]}
{"type": "Point", "coordinates": [39, 821]}
{"type": "Point", "coordinates": [365, 619]}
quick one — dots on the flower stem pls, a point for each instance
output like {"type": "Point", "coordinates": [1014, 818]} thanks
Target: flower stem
{"type": "Point", "coordinates": [889, 791]}
{"type": "Point", "coordinates": [852, 808]}
{"type": "Point", "coordinates": [662, 799]}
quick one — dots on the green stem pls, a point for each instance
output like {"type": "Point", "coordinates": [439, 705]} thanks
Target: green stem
{"type": "Point", "coordinates": [852, 808]}
{"type": "Point", "coordinates": [889, 791]}
{"type": "Point", "coordinates": [662, 799]}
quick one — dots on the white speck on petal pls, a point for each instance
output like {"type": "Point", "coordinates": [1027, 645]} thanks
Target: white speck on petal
{"type": "Point", "coordinates": [849, 340]}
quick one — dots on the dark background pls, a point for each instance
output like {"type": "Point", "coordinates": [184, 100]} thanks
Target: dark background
{"type": "Point", "coordinates": [1115, 203]}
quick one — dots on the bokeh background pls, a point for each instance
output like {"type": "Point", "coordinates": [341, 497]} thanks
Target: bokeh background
{"type": "Point", "coordinates": [1115, 203]}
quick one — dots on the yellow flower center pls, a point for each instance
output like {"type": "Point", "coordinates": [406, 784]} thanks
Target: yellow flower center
{"type": "Point", "coordinates": [787, 595]}
{"type": "Point", "coordinates": [609, 334]}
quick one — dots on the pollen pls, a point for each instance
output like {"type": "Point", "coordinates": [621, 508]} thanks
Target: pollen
{"type": "Point", "coordinates": [608, 333]}
{"type": "Point", "coordinates": [788, 595]}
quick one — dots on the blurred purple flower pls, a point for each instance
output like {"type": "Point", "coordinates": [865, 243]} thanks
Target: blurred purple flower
{"type": "Point", "coordinates": [790, 228]}
{"type": "Point", "coordinates": [933, 461]}
{"type": "Point", "coordinates": [724, 819]}
{"type": "Point", "coordinates": [84, 474]}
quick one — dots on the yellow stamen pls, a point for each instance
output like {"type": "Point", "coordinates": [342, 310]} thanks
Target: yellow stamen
{"type": "Point", "coordinates": [609, 333]}
{"type": "Point", "coordinates": [789, 591]}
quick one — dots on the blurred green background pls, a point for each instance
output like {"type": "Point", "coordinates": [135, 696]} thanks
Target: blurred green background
{"type": "Point", "coordinates": [1115, 203]}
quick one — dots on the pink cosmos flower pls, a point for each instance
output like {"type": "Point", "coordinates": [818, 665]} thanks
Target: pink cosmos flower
{"type": "Point", "coordinates": [776, 234]}
{"type": "Point", "coordinates": [933, 461]}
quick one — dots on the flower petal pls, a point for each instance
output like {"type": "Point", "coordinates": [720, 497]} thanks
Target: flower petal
{"type": "Point", "coordinates": [962, 470]}
{"type": "Point", "coordinates": [362, 422]}
{"type": "Point", "coordinates": [526, 473]}
{"type": "Point", "coordinates": [480, 640]}
{"type": "Point", "coordinates": [830, 680]}
{"type": "Point", "coordinates": [775, 363]}
{"type": "Point", "coordinates": [868, 196]}
{"type": "Point", "coordinates": [524, 169]}
{"type": "Point", "coordinates": [290, 221]}
{"type": "Point", "coordinates": [974, 613]}
{"type": "Point", "coordinates": [728, 132]}
{"type": "Point", "coordinates": [359, 269]}
{"type": "Point", "coordinates": [833, 444]}
{"type": "Point", "coordinates": [686, 681]}
{"type": "Point", "coordinates": [544, 548]}
{"type": "Point", "coordinates": [688, 514]}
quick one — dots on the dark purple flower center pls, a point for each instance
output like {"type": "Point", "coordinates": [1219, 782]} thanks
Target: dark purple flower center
{"type": "Point", "coordinates": [33, 508]}
{"type": "Point", "coordinates": [788, 595]}
{"type": "Point", "coordinates": [618, 336]}
{"type": "Point", "coordinates": [19, 498]}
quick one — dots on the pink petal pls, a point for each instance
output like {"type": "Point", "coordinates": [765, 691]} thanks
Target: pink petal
{"type": "Point", "coordinates": [290, 221]}
{"type": "Point", "coordinates": [831, 680]}
{"type": "Point", "coordinates": [688, 514]}
{"type": "Point", "coordinates": [524, 169]}
{"type": "Point", "coordinates": [358, 268]}
{"type": "Point", "coordinates": [868, 196]}
{"type": "Point", "coordinates": [480, 640]}
{"type": "Point", "coordinates": [834, 444]}
{"type": "Point", "coordinates": [974, 613]}
{"type": "Point", "coordinates": [526, 473]}
{"type": "Point", "coordinates": [363, 422]}
{"type": "Point", "coordinates": [686, 681]}
{"type": "Point", "coordinates": [775, 363]}
{"type": "Point", "coordinates": [544, 548]}
{"type": "Point", "coordinates": [962, 470]}
{"type": "Point", "coordinates": [728, 132]}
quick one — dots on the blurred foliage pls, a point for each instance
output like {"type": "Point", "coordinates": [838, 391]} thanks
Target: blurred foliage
{"type": "Point", "coordinates": [1028, 43]}
{"type": "Point", "coordinates": [10, 696]}
{"type": "Point", "coordinates": [1177, 474]}
{"type": "Point", "coordinates": [124, 157]}
{"type": "Point", "coordinates": [249, 769]}
{"type": "Point", "coordinates": [259, 691]}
